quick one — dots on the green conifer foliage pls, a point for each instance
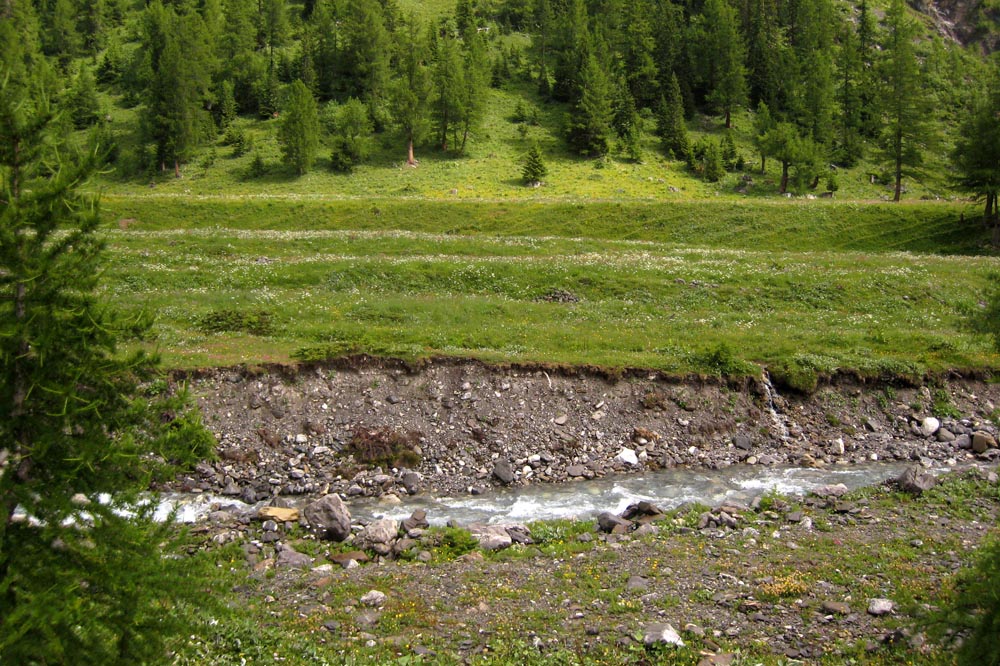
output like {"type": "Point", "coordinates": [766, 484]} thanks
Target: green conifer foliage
{"type": "Point", "coordinates": [79, 583]}
{"type": "Point", "coordinates": [588, 127]}
{"type": "Point", "coordinates": [298, 135]}
{"type": "Point", "coordinates": [670, 123]}
{"type": "Point", "coordinates": [534, 168]}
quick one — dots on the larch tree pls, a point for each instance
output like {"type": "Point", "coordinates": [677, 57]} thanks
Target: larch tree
{"type": "Point", "coordinates": [448, 78]}
{"type": "Point", "coordinates": [298, 134]}
{"type": "Point", "coordinates": [180, 67]}
{"type": "Point", "coordinates": [80, 582]}
{"type": "Point", "coordinates": [411, 92]}
{"type": "Point", "coordinates": [977, 155]}
{"type": "Point", "coordinates": [724, 45]}
{"type": "Point", "coordinates": [475, 87]}
{"type": "Point", "coordinates": [906, 109]}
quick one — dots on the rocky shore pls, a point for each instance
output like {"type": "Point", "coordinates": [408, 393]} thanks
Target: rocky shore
{"type": "Point", "coordinates": [377, 428]}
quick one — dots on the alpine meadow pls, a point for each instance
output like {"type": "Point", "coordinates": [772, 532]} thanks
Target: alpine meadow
{"type": "Point", "coordinates": [265, 264]}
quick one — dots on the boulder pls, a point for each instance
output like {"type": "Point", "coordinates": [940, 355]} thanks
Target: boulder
{"type": "Point", "coordinates": [981, 441]}
{"type": "Point", "coordinates": [289, 558]}
{"type": "Point", "coordinates": [661, 633]}
{"type": "Point", "coordinates": [912, 480]}
{"type": "Point", "coordinates": [491, 537]}
{"type": "Point", "coordinates": [416, 521]}
{"type": "Point", "coordinates": [610, 523]}
{"type": "Point", "coordinates": [929, 426]}
{"type": "Point", "coordinates": [373, 599]}
{"type": "Point", "coordinates": [503, 471]}
{"type": "Point", "coordinates": [329, 518]}
{"type": "Point", "coordinates": [879, 607]}
{"type": "Point", "coordinates": [831, 490]}
{"type": "Point", "coordinates": [280, 514]}
{"type": "Point", "coordinates": [628, 457]}
{"type": "Point", "coordinates": [379, 535]}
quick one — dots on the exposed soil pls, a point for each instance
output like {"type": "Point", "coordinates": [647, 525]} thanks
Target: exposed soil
{"type": "Point", "coordinates": [776, 581]}
{"type": "Point", "coordinates": [288, 431]}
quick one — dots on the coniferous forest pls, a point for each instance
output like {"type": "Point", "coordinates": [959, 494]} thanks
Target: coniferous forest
{"type": "Point", "coordinates": [812, 86]}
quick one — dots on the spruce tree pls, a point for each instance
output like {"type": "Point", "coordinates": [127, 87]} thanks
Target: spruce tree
{"type": "Point", "coordinates": [79, 582]}
{"type": "Point", "coordinates": [82, 99]}
{"type": "Point", "coordinates": [670, 123]}
{"type": "Point", "coordinates": [534, 168]}
{"type": "Point", "coordinates": [298, 134]}
{"type": "Point", "coordinates": [712, 166]}
{"type": "Point", "coordinates": [588, 126]}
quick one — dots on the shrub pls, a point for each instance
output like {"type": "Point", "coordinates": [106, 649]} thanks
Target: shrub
{"type": "Point", "coordinates": [385, 448]}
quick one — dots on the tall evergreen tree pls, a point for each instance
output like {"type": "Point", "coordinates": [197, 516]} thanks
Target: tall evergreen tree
{"type": "Point", "coordinates": [849, 142]}
{"type": "Point", "coordinates": [79, 583]}
{"type": "Point", "coordinates": [366, 54]}
{"type": "Point", "coordinates": [727, 87]}
{"type": "Point", "coordinates": [573, 49]}
{"type": "Point", "coordinates": [977, 154]}
{"type": "Point", "coordinates": [412, 89]}
{"type": "Point", "coordinates": [475, 87]}
{"type": "Point", "coordinates": [447, 76]}
{"type": "Point", "coordinates": [180, 69]}
{"type": "Point", "coordinates": [906, 108]}
{"type": "Point", "coordinates": [588, 125]}
{"type": "Point", "coordinates": [298, 134]}
{"type": "Point", "coordinates": [670, 123]}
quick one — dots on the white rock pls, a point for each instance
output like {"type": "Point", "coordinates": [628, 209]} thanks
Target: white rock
{"type": "Point", "coordinates": [628, 457]}
{"type": "Point", "coordinates": [929, 426]}
{"type": "Point", "coordinates": [661, 633]}
{"type": "Point", "coordinates": [373, 598]}
{"type": "Point", "coordinates": [880, 606]}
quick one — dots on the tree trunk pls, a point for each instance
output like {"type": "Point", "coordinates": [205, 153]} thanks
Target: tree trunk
{"type": "Point", "coordinates": [899, 166]}
{"type": "Point", "coordinates": [729, 119]}
{"type": "Point", "coordinates": [177, 168]}
{"type": "Point", "coordinates": [784, 178]}
{"type": "Point", "coordinates": [763, 162]}
{"type": "Point", "coordinates": [410, 159]}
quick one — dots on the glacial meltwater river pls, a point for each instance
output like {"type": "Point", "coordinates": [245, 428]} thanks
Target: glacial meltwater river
{"type": "Point", "coordinates": [584, 499]}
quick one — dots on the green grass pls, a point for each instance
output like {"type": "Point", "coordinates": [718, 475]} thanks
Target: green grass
{"type": "Point", "coordinates": [638, 303]}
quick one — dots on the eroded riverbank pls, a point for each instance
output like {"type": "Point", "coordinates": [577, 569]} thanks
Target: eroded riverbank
{"type": "Point", "coordinates": [453, 428]}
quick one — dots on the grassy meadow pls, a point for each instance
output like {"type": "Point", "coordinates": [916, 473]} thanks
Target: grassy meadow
{"type": "Point", "coordinates": [803, 287]}
{"type": "Point", "coordinates": [611, 262]}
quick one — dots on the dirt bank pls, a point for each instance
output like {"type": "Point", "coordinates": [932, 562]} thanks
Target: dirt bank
{"type": "Point", "coordinates": [450, 426]}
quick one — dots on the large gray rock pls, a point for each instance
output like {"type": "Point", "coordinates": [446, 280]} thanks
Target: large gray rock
{"type": "Point", "coordinates": [329, 518]}
{"type": "Point", "coordinates": [289, 558]}
{"type": "Point", "coordinates": [503, 471]}
{"type": "Point", "coordinates": [912, 480]}
{"type": "Point", "coordinates": [661, 633]}
{"type": "Point", "coordinates": [929, 426]}
{"type": "Point", "coordinates": [491, 537]}
{"type": "Point", "coordinates": [379, 535]}
{"type": "Point", "coordinates": [609, 522]}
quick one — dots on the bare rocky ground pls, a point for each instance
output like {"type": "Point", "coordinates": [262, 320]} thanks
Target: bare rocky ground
{"type": "Point", "coordinates": [798, 580]}
{"type": "Point", "coordinates": [464, 426]}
